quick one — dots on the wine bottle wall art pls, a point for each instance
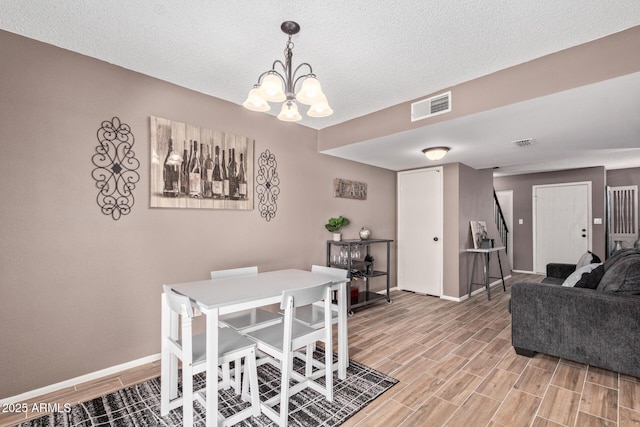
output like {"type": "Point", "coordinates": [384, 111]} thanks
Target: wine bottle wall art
{"type": "Point", "coordinates": [194, 167]}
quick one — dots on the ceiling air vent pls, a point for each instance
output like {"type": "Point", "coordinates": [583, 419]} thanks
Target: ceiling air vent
{"type": "Point", "coordinates": [431, 106]}
{"type": "Point", "coordinates": [527, 142]}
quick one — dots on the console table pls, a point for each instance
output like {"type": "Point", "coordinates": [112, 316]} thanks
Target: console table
{"type": "Point", "coordinates": [486, 257]}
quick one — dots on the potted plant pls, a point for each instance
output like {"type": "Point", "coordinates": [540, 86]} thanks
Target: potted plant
{"type": "Point", "coordinates": [335, 224]}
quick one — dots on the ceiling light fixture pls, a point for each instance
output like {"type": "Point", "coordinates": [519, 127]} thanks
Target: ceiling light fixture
{"type": "Point", "coordinates": [435, 153]}
{"type": "Point", "coordinates": [274, 86]}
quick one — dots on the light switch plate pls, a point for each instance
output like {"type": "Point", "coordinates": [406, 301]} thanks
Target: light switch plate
{"type": "Point", "coordinates": [520, 221]}
{"type": "Point", "coordinates": [597, 221]}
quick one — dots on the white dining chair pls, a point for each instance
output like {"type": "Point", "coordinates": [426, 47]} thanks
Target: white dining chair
{"type": "Point", "coordinates": [180, 343]}
{"type": "Point", "coordinates": [246, 320]}
{"type": "Point", "coordinates": [313, 315]}
{"type": "Point", "coordinates": [280, 341]}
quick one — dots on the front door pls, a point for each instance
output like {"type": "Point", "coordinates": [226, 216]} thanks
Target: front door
{"type": "Point", "coordinates": [562, 230]}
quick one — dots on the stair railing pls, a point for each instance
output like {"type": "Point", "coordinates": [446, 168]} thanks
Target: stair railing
{"type": "Point", "coordinates": [501, 223]}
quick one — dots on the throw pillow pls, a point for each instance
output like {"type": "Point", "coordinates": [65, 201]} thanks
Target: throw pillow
{"type": "Point", "coordinates": [623, 276]}
{"type": "Point", "coordinates": [618, 256]}
{"type": "Point", "coordinates": [591, 280]}
{"type": "Point", "coordinates": [586, 259]}
{"type": "Point", "coordinates": [577, 275]}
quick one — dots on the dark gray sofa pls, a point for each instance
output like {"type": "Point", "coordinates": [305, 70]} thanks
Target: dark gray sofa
{"type": "Point", "coordinates": [600, 327]}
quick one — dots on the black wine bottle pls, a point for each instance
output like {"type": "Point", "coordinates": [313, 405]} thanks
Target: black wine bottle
{"type": "Point", "coordinates": [171, 172]}
{"type": "Point", "coordinates": [233, 175]}
{"type": "Point", "coordinates": [184, 171]}
{"type": "Point", "coordinates": [242, 179]}
{"type": "Point", "coordinates": [225, 179]}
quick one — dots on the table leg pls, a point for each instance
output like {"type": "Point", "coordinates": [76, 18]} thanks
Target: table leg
{"type": "Point", "coordinates": [211, 410]}
{"type": "Point", "coordinates": [343, 333]}
{"type": "Point", "coordinates": [504, 287]}
{"type": "Point", "coordinates": [473, 270]}
{"type": "Point", "coordinates": [168, 362]}
{"type": "Point", "coordinates": [486, 275]}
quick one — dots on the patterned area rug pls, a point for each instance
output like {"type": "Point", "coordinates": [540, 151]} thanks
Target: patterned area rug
{"type": "Point", "coordinates": [139, 405]}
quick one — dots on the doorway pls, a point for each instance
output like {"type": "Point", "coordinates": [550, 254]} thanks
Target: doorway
{"type": "Point", "coordinates": [561, 223]}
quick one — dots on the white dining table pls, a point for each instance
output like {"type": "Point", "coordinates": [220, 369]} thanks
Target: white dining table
{"type": "Point", "coordinates": [221, 296]}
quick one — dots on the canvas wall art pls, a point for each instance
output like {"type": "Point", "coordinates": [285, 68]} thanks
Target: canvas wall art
{"type": "Point", "coordinates": [199, 168]}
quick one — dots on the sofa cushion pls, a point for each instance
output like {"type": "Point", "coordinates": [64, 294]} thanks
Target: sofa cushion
{"type": "Point", "coordinates": [592, 279]}
{"type": "Point", "coordinates": [553, 280]}
{"type": "Point", "coordinates": [577, 275]}
{"type": "Point", "coordinates": [623, 276]}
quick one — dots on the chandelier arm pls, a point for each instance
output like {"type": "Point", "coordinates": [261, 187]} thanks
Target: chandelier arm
{"type": "Point", "coordinates": [302, 65]}
{"type": "Point", "coordinates": [272, 71]}
{"type": "Point", "coordinates": [278, 62]}
{"type": "Point", "coordinates": [309, 74]}
{"type": "Point", "coordinates": [304, 76]}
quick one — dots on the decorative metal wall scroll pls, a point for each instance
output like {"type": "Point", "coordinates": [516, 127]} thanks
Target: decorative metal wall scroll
{"type": "Point", "coordinates": [116, 164]}
{"type": "Point", "coordinates": [349, 189]}
{"type": "Point", "coordinates": [267, 185]}
{"type": "Point", "coordinates": [193, 167]}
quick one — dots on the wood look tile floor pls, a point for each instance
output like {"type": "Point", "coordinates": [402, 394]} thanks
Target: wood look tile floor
{"type": "Point", "coordinates": [455, 367]}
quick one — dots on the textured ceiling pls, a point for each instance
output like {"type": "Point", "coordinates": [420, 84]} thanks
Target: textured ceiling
{"type": "Point", "coordinates": [367, 54]}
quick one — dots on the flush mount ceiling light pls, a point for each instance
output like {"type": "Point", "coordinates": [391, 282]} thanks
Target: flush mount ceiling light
{"type": "Point", "coordinates": [435, 153]}
{"type": "Point", "coordinates": [275, 86]}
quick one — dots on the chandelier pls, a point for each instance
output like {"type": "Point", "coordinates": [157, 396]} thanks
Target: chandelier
{"type": "Point", "coordinates": [275, 86]}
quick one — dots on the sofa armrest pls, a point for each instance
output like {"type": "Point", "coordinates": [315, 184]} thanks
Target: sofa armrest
{"type": "Point", "coordinates": [559, 270]}
{"type": "Point", "coordinates": [584, 325]}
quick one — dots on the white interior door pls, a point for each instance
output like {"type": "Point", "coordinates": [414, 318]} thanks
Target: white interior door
{"type": "Point", "coordinates": [562, 223]}
{"type": "Point", "coordinates": [420, 231]}
{"type": "Point", "coordinates": [505, 198]}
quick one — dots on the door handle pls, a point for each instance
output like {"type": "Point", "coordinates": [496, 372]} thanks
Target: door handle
{"type": "Point", "coordinates": [435, 239]}
{"type": "Point", "coordinates": [584, 235]}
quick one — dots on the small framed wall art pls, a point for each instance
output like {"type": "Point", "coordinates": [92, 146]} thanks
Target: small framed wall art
{"type": "Point", "coordinates": [349, 189]}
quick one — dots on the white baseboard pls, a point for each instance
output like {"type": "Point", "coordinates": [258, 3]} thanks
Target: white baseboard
{"type": "Point", "coordinates": [523, 272]}
{"type": "Point", "coordinates": [79, 380]}
{"type": "Point", "coordinates": [477, 291]}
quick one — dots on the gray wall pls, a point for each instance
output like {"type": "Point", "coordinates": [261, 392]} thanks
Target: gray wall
{"type": "Point", "coordinates": [80, 292]}
{"type": "Point", "coordinates": [522, 186]}
{"type": "Point", "coordinates": [468, 196]}
{"type": "Point", "coordinates": [622, 177]}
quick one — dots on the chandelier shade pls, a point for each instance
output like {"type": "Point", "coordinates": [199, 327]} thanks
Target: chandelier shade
{"type": "Point", "coordinates": [320, 108]}
{"type": "Point", "coordinates": [271, 88]}
{"type": "Point", "coordinates": [280, 86]}
{"type": "Point", "coordinates": [255, 101]}
{"type": "Point", "coordinates": [289, 112]}
{"type": "Point", "coordinates": [310, 92]}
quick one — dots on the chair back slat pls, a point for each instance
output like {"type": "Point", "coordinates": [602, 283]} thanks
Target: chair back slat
{"type": "Point", "coordinates": [338, 273]}
{"type": "Point", "coordinates": [304, 296]}
{"type": "Point", "coordinates": [178, 303]}
{"type": "Point", "coordinates": [233, 272]}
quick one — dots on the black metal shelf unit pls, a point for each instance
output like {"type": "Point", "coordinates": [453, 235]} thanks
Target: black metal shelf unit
{"type": "Point", "coordinates": [349, 257]}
